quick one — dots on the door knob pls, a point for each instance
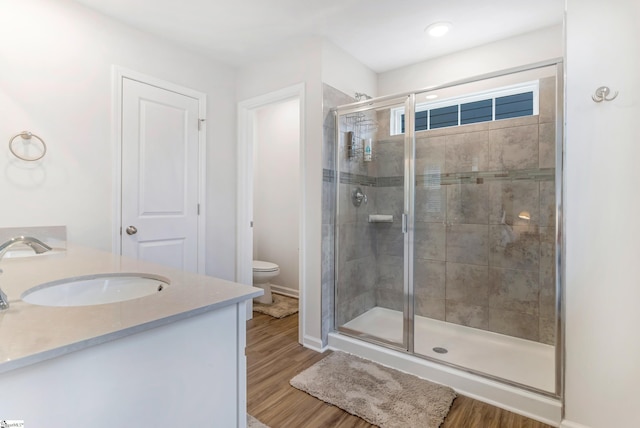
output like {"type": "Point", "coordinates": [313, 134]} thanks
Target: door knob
{"type": "Point", "coordinates": [131, 230]}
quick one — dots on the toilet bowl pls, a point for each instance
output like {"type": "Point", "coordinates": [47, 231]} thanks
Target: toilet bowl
{"type": "Point", "coordinates": [263, 273]}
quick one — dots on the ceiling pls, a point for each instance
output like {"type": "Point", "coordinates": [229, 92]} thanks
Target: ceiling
{"type": "Point", "coordinates": [382, 34]}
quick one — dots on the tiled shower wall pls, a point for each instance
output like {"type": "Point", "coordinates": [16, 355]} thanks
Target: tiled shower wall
{"type": "Point", "coordinates": [477, 262]}
{"type": "Point", "coordinates": [331, 98]}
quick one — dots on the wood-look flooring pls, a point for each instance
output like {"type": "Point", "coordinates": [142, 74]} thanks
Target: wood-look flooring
{"type": "Point", "coordinates": [274, 356]}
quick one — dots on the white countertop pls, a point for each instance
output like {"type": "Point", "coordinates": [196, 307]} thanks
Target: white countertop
{"type": "Point", "coordinates": [31, 333]}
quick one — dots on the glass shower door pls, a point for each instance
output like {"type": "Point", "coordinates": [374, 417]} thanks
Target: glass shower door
{"type": "Point", "coordinates": [371, 243]}
{"type": "Point", "coordinates": [484, 233]}
{"type": "Point", "coordinates": [447, 228]}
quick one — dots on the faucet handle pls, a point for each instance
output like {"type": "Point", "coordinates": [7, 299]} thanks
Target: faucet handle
{"type": "Point", "coordinates": [4, 301]}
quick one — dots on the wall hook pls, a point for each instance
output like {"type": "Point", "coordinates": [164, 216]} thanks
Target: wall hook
{"type": "Point", "coordinates": [601, 94]}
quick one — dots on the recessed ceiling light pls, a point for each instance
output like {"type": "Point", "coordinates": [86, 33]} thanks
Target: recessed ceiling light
{"type": "Point", "coordinates": [431, 96]}
{"type": "Point", "coordinates": [438, 29]}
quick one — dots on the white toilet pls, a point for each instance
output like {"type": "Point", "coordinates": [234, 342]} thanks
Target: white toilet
{"type": "Point", "coordinates": [263, 273]}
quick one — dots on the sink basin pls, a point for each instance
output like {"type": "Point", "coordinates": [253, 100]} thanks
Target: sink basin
{"type": "Point", "coordinates": [95, 289]}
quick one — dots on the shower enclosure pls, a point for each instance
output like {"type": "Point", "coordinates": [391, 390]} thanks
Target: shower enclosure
{"type": "Point", "coordinates": [446, 231]}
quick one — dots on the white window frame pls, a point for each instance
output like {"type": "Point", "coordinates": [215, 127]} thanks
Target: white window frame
{"type": "Point", "coordinates": [520, 88]}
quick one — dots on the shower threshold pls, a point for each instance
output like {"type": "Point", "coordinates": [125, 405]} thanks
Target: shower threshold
{"type": "Point", "coordinates": [517, 360]}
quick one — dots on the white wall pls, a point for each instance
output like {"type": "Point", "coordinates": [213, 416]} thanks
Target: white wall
{"type": "Point", "coordinates": [307, 63]}
{"type": "Point", "coordinates": [345, 73]}
{"type": "Point", "coordinates": [525, 49]}
{"type": "Point", "coordinates": [55, 80]}
{"type": "Point", "coordinates": [602, 235]}
{"type": "Point", "coordinates": [291, 67]}
{"type": "Point", "coordinates": [276, 189]}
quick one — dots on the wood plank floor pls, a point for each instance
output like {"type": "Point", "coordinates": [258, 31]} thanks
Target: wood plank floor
{"type": "Point", "coordinates": [274, 357]}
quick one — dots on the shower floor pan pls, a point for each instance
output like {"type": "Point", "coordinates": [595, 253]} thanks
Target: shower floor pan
{"type": "Point", "coordinates": [517, 360]}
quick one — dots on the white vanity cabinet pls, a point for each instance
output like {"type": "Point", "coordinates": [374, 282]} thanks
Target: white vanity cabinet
{"type": "Point", "coordinates": [190, 373]}
{"type": "Point", "coordinates": [174, 360]}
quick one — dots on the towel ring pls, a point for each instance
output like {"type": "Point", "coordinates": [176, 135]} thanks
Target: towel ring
{"type": "Point", "coordinates": [26, 135]}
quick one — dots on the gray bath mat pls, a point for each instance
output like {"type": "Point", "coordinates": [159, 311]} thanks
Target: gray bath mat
{"type": "Point", "coordinates": [281, 307]}
{"type": "Point", "coordinates": [254, 423]}
{"type": "Point", "coordinates": [380, 395]}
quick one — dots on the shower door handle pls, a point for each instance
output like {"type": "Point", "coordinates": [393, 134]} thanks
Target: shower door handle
{"type": "Point", "coordinates": [404, 222]}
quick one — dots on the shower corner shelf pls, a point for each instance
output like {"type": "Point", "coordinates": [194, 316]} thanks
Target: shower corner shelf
{"type": "Point", "coordinates": [355, 152]}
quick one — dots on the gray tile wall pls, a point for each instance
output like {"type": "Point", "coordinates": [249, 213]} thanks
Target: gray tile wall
{"type": "Point", "coordinates": [498, 270]}
{"type": "Point", "coordinates": [331, 97]}
{"type": "Point", "coordinates": [477, 262]}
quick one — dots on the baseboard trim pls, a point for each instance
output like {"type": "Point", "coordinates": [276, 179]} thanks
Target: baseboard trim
{"type": "Point", "coordinates": [313, 343]}
{"type": "Point", "coordinates": [278, 289]}
{"type": "Point", "coordinates": [569, 424]}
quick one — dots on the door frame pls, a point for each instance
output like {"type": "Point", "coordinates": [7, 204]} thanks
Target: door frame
{"type": "Point", "coordinates": [244, 246]}
{"type": "Point", "coordinates": [118, 74]}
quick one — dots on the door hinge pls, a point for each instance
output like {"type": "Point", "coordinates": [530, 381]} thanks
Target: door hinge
{"type": "Point", "coordinates": [200, 123]}
{"type": "Point", "coordinates": [198, 209]}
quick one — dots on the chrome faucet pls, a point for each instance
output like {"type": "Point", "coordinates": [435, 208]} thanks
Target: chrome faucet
{"type": "Point", "coordinates": [33, 243]}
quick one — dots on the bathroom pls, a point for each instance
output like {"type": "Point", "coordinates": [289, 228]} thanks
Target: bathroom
{"type": "Point", "coordinates": [276, 198]}
{"type": "Point", "coordinates": [61, 90]}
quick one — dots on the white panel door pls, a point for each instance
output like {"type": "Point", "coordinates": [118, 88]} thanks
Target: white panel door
{"type": "Point", "coordinates": [159, 175]}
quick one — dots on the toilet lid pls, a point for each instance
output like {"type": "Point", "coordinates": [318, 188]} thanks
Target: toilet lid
{"type": "Point", "coordinates": [259, 266]}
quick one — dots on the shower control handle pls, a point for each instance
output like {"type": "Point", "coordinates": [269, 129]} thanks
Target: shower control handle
{"type": "Point", "coordinates": [358, 196]}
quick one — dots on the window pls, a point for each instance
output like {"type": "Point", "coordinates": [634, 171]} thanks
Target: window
{"type": "Point", "coordinates": [478, 111]}
{"type": "Point", "coordinates": [442, 117]}
{"type": "Point", "coordinates": [514, 106]}
{"type": "Point", "coordinates": [502, 103]}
